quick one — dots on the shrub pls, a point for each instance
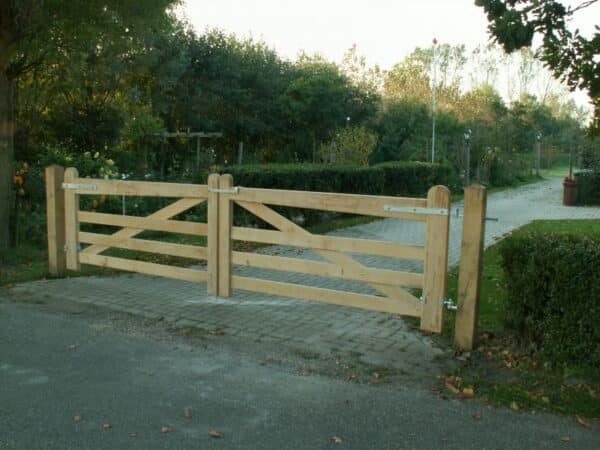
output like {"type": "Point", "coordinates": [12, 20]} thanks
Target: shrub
{"type": "Point", "coordinates": [553, 294]}
{"type": "Point", "coordinates": [588, 187]}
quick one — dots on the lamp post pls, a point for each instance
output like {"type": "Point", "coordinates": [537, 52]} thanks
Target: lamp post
{"type": "Point", "coordinates": [538, 152]}
{"type": "Point", "coordinates": [467, 137]}
{"type": "Point", "coordinates": [433, 83]}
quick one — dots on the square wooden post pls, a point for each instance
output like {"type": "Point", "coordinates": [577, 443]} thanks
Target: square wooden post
{"type": "Point", "coordinates": [55, 220]}
{"type": "Point", "coordinates": [471, 258]}
{"type": "Point", "coordinates": [225, 224]}
{"type": "Point", "coordinates": [435, 266]}
{"type": "Point", "coordinates": [212, 220]}
{"type": "Point", "coordinates": [71, 221]}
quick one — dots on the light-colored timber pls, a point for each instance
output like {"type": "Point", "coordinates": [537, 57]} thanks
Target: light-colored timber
{"type": "Point", "coordinates": [140, 188]}
{"type": "Point", "coordinates": [363, 301]}
{"type": "Point", "coordinates": [225, 227]}
{"type": "Point", "coordinates": [368, 275]}
{"type": "Point", "coordinates": [436, 261]}
{"type": "Point", "coordinates": [143, 223]}
{"type": "Point", "coordinates": [144, 245]}
{"type": "Point", "coordinates": [55, 220]}
{"type": "Point", "coordinates": [71, 221]}
{"type": "Point", "coordinates": [130, 265]}
{"type": "Point", "coordinates": [212, 244]}
{"type": "Point", "coordinates": [469, 273]}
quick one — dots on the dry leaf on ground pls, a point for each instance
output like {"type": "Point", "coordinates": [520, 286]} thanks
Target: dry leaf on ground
{"type": "Point", "coordinates": [583, 421]}
{"type": "Point", "coordinates": [214, 434]}
{"type": "Point", "coordinates": [72, 347]}
{"type": "Point", "coordinates": [468, 392]}
{"type": "Point", "coordinates": [565, 439]}
{"type": "Point", "coordinates": [476, 416]}
{"type": "Point", "coordinates": [76, 418]}
{"type": "Point", "coordinates": [452, 388]}
{"type": "Point", "coordinates": [106, 426]}
{"type": "Point", "coordinates": [187, 413]}
{"type": "Point", "coordinates": [166, 429]}
{"type": "Point", "coordinates": [337, 439]}
{"type": "Point", "coordinates": [514, 406]}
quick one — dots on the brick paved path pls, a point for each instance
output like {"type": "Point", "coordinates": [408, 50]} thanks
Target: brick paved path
{"type": "Point", "coordinates": [375, 338]}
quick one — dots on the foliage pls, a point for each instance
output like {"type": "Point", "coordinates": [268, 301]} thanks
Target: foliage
{"type": "Point", "coordinates": [553, 294]}
{"type": "Point", "coordinates": [349, 145]}
{"type": "Point", "coordinates": [571, 56]}
{"type": "Point", "coordinates": [588, 187]}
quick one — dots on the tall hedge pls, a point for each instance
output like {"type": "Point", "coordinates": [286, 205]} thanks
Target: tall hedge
{"type": "Point", "coordinates": [553, 294]}
{"type": "Point", "coordinates": [394, 178]}
{"type": "Point", "coordinates": [588, 187]}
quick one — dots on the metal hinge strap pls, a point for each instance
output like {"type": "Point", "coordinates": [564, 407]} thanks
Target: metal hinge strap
{"type": "Point", "coordinates": [416, 210]}
{"type": "Point", "coordinates": [79, 186]}
{"type": "Point", "coordinates": [234, 190]}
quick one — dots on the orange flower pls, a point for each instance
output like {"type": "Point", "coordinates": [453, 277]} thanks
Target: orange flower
{"type": "Point", "coordinates": [18, 179]}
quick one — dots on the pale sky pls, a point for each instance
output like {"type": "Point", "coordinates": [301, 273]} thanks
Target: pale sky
{"type": "Point", "coordinates": [384, 31]}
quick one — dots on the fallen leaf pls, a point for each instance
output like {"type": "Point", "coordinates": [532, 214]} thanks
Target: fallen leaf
{"type": "Point", "coordinates": [187, 413]}
{"type": "Point", "coordinates": [476, 416]}
{"type": "Point", "coordinates": [583, 421]}
{"type": "Point", "coordinates": [10, 285]}
{"type": "Point", "coordinates": [337, 439]}
{"type": "Point", "coordinates": [514, 406]}
{"type": "Point", "coordinates": [133, 434]}
{"type": "Point", "coordinates": [485, 400]}
{"type": "Point", "coordinates": [72, 347]}
{"type": "Point", "coordinates": [350, 377]}
{"type": "Point", "coordinates": [565, 439]}
{"type": "Point", "coordinates": [452, 388]}
{"type": "Point", "coordinates": [345, 402]}
{"type": "Point", "coordinates": [217, 332]}
{"type": "Point", "coordinates": [214, 434]}
{"type": "Point", "coordinates": [192, 349]}
{"type": "Point", "coordinates": [106, 426]}
{"type": "Point", "coordinates": [161, 318]}
{"type": "Point", "coordinates": [468, 392]}
{"type": "Point", "coordinates": [76, 418]}
{"type": "Point", "coordinates": [166, 429]}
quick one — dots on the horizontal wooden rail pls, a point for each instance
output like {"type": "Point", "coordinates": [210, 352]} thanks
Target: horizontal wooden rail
{"type": "Point", "coordinates": [131, 265]}
{"type": "Point", "coordinates": [344, 298]}
{"type": "Point", "coordinates": [143, 223]}
{"type": "Point", "coordinates": [139, 188]}
{"type": "Point", "coordinates": [344, 203]}
{"type": "Point", "coordinates": [382, 248]}
{"type": "Point", "coordinates": [368, 275]}
{"type": "Point", "coordinates": [144, 245]}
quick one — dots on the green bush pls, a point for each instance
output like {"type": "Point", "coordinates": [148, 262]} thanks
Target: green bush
{"type": "Point", "coordinates": [405, 178]}
{"type": "Point", "coordinates": [588, 187]}
{"type": "Point", "coordinates": [553, 294]}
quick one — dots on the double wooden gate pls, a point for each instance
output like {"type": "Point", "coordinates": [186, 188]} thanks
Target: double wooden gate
{"type": "Point", "coordinates": [401, 292]}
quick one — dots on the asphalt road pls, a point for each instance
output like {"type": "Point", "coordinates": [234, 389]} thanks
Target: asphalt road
{"type": "Point", "coordinates": [62, 361]}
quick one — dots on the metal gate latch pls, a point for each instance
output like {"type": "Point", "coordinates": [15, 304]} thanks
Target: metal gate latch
{"type": "Point", "coordinates": [449, 304]}
{"type": "Point", "coordinates": [234, 190]}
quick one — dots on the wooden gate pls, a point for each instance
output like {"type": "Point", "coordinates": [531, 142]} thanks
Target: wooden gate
{"type": "Point", "coordinates": [395, 290]}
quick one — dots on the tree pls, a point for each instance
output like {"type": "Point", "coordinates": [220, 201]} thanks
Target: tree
{"type": "Point", "coordinates": [34, 33]}
{"type": "Point", "coordinates": [572, 57]}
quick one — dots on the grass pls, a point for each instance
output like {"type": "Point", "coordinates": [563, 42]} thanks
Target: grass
{"type": "Point", "coordinates": [500, 369]}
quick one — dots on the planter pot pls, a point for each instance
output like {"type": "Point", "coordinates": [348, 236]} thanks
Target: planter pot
{"type": "Point", "coordinates": [569, 193]}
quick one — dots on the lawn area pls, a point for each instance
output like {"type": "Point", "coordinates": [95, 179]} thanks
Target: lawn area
{"type": "Point", "coordinates": [506, 372]}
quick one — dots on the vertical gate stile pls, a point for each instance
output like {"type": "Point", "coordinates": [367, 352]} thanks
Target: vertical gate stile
{"type": "Point", "coordinates": [225, 225]}
{"type": "Point", "coordinates": [436, 260]}
{"type": "Point", "coordinates": [71, 221]}
{"type": "Point", "coordinates": [55, 219]}
{"type": "Point", "coordinates": [212, 244]}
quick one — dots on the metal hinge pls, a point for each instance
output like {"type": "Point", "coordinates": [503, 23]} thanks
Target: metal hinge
{"type": "Point", "coordinates": [66, 248]}
{"type": "Point", "coordinates": [457, 214]}
{"type": "Point", "coordinates": [234, 190]}
{"type": "Point", "coordinates": [416, 210]}
{"type": "Point", "coordinates": [79, 186]}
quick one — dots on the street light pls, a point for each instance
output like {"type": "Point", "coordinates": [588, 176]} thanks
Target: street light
{"type": "Point", "coordinates": [467, 137]}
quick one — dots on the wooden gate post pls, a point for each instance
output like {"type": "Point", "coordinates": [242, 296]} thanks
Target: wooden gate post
{"type": "Point", "coordinates": [212, 245]}
{"type": "Point", "coordinates": [55, 220]}
{"type": "Point", "coordinates": [469, 276]}
{"type": "Point", "coordinates": [71, 221]}
{"type": "Point", "coordinates": [225, 224]}
{"type": "Point", "coordinates": [435, 266]}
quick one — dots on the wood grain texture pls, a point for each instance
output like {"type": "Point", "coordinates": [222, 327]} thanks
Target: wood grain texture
{"type": "Point", "coordinates": [144, 223]}
{"type": "Point", "coordinates": [212, 221]}
{"type": "Point", "coordinates": [470, 267]}
{"type": "Point", "coordinates": [71, 220]}
{"type": "Point", "coordinates": [141, 188]}
{"type": "Point", "coordinates": [55, 220]}
{"type": "Point", "coordinates": [225, 226]}
{"type": "Point", "coordinates": [436, 260]}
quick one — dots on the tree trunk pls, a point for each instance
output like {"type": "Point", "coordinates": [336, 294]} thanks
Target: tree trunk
{"type": "Point", "coordinates": [6, 153]}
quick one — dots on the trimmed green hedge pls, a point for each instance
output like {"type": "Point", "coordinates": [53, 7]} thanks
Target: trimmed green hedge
{"type": "Point", "coordinates": [588, 188]}
{"type": "Point", "coordinates": [553, 294]}
{"type": "Point", "coordinates": [405, 178]}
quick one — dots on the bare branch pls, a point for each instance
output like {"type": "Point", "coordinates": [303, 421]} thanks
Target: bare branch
{"type": "Point", "coordinates": [582, 6]}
